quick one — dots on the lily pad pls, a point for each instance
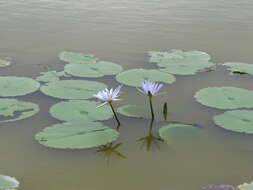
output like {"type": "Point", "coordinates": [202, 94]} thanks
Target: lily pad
{"type": "Point", "coordinates": [181, 63]}
{"type": "Point", "coordinates": [51, 76]}
{"type": "Point", "coordinates": [72, 57]}
{"type": "Point", "coordinates": [17, 86]}
{"type": "Point", "coordinates": [238, 121]}
{"type": "Point", "coordinates": [16, 109]}
{"type": "Point", "coordinates": [240, 68]}
{"type": "Point", "coordinates": [246, 186]}
{"type": "Point", "coordinates": [133, 111]}
{"type": "Point", "coordinates": [225, 97]}
{"type": "Point", "coordinates": [182, 132]}
{"type": "Point", "coordinates": [80, 110]}
{"type": "Point", "coordinates": [4, 63]}
{"type": "Point", "coordinates": [72, 89]}
{"type": "Point", "coordinates": [76, 135]}
{"type": "Point", "coordinates": [135, 77]}
{"type": "Point", "coordinates": [8, 183]}
{"type": "Point", "coordinates": [93, 70]}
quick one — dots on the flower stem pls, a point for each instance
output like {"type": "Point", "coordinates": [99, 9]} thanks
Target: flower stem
{"type": "Point", "coordinates": [151, 106]}
{"type": "Point", "coordinates": [115, 115]}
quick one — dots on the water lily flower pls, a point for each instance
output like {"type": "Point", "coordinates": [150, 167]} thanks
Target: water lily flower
{"type": "Point", "coordinates": [108, 96]}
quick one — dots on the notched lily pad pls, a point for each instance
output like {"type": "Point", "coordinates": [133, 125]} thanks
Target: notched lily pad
{"type": "Point", "coordinates": [80, 110]}
{"type": "Point", "coordinates": [72, 89]}
{"type": "Point", "coordinates": [11, 86]}
{"type": "Point", "coordinates": [93, 70]}
{"type": "Point", "coordinates": [51, 76]}
{"type": "Point", "coordinates": [181, 63]}
{"type": "Point", "coordinates": [16, 110]}
{"type": "Point", "coordinates": [225, 97]}
{"type": "Point", "coordinates": [238, 121]}
{"type": "Point", "coordinates": [246, 186]}
{"type": "Point", "coordinates": [8, 183]}
{"type": "Point", "coordinates": [239, 68]}
{"type": "Point", "coordinates": [72, 57]}
{"type": "Point", "coordinates": [135, 77]}
{"type": "Point", "coordinates": [76, 135]}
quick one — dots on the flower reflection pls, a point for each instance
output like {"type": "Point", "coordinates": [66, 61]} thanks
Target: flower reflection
{"type": "Point", "coordinates": [111, 150]}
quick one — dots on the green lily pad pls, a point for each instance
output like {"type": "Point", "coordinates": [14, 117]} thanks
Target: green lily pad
{"type": "Point", "coordinates": [246, 186]}
{"type": "Point", "coordinates": [80, 110]}
{"type": "Point", "coordinates": [135, 77]}
{"type": "Point", "coordinates": [4, 63]}
{"type": "Point", "coordinates": [11, 107]}
{"type": "Point", "coordinates": [51, 76]}
{"type": "Point", "coordinates": [76, 135]}
{"type": "Point", "coordinates": [72, 89]}
{"type": "Point", "coordinates": [17, 86]}
{"type": "Point", "coordinates": [134, 111]}
{"type": "Point", "coordinates": [181, 63]}
{"type": "Point", "coordinates": [181, 132]}
{"type": "Point", "coordinates": [93, 70]}
{"type": "Point", "coordinates": [8, 183]}
{"type": "Point", "coordinates": [240, 68]}
{"type": "Point", "coordinates": [238, 121]}
{"type": "Point", "coordinates": [72, 57]}
{"type": "Point", "coordinates": [225, 97]}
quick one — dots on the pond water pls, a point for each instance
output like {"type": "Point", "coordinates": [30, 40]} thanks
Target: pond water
{"type": "Point", "coordinates": [34, 32]}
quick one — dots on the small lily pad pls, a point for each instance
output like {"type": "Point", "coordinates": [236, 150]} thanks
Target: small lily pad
{"type": "Point", "coordinates": [135, 77]}
{"type": "Point", "coordinates": [225, 97]}
{"type": "Point", "coordinates": [4, 63]}
{"type": "Point", "coordinates": [181, 63]}
{"type": "Point", "coordinates": [80, 110]}
{"type": "Point", "coordinates": [72, 57]}
{"type": "Point", "coordinates": [246, 186]}
{"type": "Point", "coordinates": [8, 183]}
{"type": "Point", "coordinates": [16, 109]}
{"type": "Point", "coordinates": [72, 89]}
{"type": "Point", "coordinates": [240, 68]}
{"type": "Point", "coordinates": [238, 121]}
{"type": "Point", "coordinates": [93, 70]}
{"type": "Point", "coordinates": [17, 86]}
{"type": "Point", "coordinates": [51, 76]}
{"type": "Point", "coordinates": [76, 135]}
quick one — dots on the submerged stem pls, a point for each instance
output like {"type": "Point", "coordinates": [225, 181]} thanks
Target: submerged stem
{"type": "Point", "coordinates": [115, 115]}
{"type": "Point", "coordinates": [151, 106]}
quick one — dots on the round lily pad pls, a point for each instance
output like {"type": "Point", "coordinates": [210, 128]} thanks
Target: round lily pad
{"type": "Point", "coordinates": [135, 77]}
{"type": "Point", "coordinates": [76, 110]}
{"type": "Point", "coordinates": [4, 63]}
{"type": "Point", "coordinates": [181, 63]}
{"type": "Point", "coordinates": [246, 186]}
{"type": "Point", "coordinates": [225, 97]}
{"type": "Point", "coordinates": [72, 57]}
{"type": "Point", "coordinates": [51, 76]}
{"type": "Point", "coordinates": [72, 89]}
{"type": "Point", "coordinates": [76, 135]}
{"type": "Point", "coordinates": [134, 111]}
{"type": "Point", "coordinates": [239, 68]}
{"type": "Point", "coordinates": [180, 132]}
{"type": "Point", "coordinates": [238, 121]}
{"type": "Point", "coordinates": [93, 70]}
{"type": "Point", "coordinates": [17, 86]}
{"type": "Point", "coordinates": [8, 183]}
{"type": "Point", "coordinates": [15, 110]}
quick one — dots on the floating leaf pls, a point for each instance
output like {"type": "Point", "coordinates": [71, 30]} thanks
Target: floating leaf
{"type": "Point", "coordinates": [17, 86]}
{"type": "Point", "coordinates": [240, 68]}
{"type": "Point", "coordinates": [51, 76]}
{"type": "Point", "coordinates": [237, 121]}
{"type": "Point", "coordinates": [4, 63]}
{"type": "Point", "coordinates": [72, 57]}
{"type": "Point", "coordinates": [181, 63]}
{"type": "Point", "coordinates": [135, 77]}
{"type": "Point", "coordinates": [93, 70]}
{"type": "Point", "coordinates": [182, 132]}
{"type": "Point", "coordinates": [8, 183]}
{"type": "Point", "coordinates": [134, 111]}
{"type": "Point", "coordinates": [246, 186]}
{"type": "Point", "coordinates": [219, 187]}
{"type": "Point", "coordinates": [72, 89]}
{"type": "Point", "coordinates": [17, 109]}
{"type": "Point", "coordinates": [76, 135]}
{"type": "Point", "coordinates": [225, 97]}
{"type": "Point", "coordinates": [76, 110]}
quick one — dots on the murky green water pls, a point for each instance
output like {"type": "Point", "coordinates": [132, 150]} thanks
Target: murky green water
{"type": "Point", "coordinates": [34, 32]}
